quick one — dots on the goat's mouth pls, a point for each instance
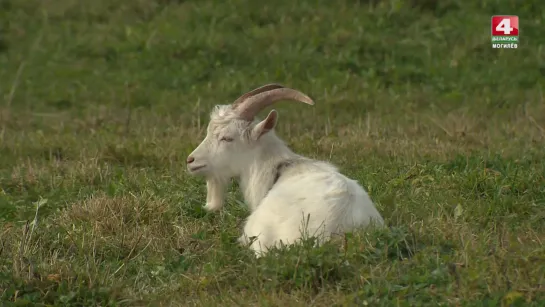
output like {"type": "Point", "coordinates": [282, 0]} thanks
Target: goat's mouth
{"type": "Point", "coordinates": [193, 169]}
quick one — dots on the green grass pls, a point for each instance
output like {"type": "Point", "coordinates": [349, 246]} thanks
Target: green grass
{"type": "Point", "coordinates": [101, 102]}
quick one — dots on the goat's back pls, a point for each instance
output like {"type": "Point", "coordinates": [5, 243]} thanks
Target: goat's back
{"type": "Point", "coordinates": [313, 197]}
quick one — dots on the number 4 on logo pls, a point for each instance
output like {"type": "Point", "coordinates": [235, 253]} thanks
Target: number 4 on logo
{"type": "Point", "coordinates": [505, 26]}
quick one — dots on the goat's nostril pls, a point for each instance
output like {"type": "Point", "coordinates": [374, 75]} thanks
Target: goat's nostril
{"type": "Point", "coordinates": [190, 160]}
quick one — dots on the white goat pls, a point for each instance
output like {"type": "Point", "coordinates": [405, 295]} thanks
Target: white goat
{"type": "Point", "coordinates": [284, 191]}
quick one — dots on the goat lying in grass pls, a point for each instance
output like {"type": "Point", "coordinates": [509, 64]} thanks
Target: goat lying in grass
{"type": "Point", "coordinates": [284, 190]}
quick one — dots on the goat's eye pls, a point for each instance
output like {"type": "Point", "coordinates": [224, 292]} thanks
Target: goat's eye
{"type": "Point", "coordinates": [226, 139]}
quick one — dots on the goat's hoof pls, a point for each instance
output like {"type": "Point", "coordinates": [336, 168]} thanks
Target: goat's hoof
{"type": "Point", "coordinates": [211, 207]}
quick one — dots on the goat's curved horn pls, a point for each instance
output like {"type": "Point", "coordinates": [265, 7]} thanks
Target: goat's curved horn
{"type": "Point", "coordinates": [261, 89]}
{"type": "Point", "coordinates": [251, 106]}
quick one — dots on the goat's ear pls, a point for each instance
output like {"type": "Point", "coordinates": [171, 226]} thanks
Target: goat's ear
{"type": "Point", "coordinates": [265, 125]}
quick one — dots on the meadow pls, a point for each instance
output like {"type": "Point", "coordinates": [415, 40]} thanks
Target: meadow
{"type": "Point", "coordinates": [102, 101]}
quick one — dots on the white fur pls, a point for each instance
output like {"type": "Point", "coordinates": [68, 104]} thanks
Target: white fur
{"type": "Point", "coordinates": [310, 197]}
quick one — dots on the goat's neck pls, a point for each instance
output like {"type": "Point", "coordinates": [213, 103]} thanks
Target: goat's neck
{"type": "Point", "coordinates": [256, 181]}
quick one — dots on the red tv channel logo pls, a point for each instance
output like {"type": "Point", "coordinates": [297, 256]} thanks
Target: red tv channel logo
{"type": "Point", "coordinates": [505, 31]}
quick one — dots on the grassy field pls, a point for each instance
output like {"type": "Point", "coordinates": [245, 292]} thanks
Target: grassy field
{"type": "Point", "coordinates": [101, 102]}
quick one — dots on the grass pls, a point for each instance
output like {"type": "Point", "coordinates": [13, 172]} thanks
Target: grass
{"type": "Point", "coordinates": [101, 101]}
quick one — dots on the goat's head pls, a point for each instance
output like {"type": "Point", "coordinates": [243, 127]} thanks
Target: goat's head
{"type": "Point", "coordinates": [233, 133]}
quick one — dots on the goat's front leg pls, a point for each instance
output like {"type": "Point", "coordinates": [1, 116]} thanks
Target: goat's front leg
{"type": "Point", "coordinates": [215, 194]}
